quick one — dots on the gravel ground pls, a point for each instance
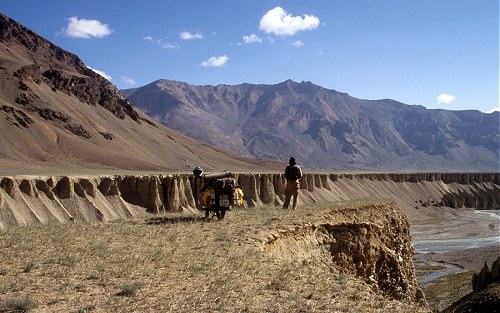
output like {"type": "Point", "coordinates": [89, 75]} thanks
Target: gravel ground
{"type": "Point", "coordinates": [470, 259]}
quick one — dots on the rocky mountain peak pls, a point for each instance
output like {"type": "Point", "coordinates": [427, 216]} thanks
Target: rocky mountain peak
{"type": "Point", "coordinates": [324, 128]}
{"type": "Point", "coordinates": [40, 61]}
{"type": "Point", "coordinates": [37, 49]}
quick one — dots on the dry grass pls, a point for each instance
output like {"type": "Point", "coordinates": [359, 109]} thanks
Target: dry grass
{"type": "Point", "coordinates": [176, 263]}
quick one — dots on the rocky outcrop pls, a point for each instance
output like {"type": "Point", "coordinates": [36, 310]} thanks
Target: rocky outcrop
{"type": "Point", "coordinates": [16, 117]}
{"type": "Point", "coordinates": [92, 90]}
{"type": "Point", "coordinates": [40, 200]}
{"type": "Point", "coordinates": [482, 301]}
{"type": "Point", "coordinates": [370, 241]}
{"type": "Point", "coordinates": [63, 72]}
{"type": "Point", "coordinates": [487, 199]}
{"type": "Point", "coordinates": [48, 54]}
{"type": "Point", "coordinates": [486, 276]}
{"type": "Point", "coordinates": [9, 186]}
{"type": "Point", "coordinates": [485, 297]}
{"type": "Point", "coordinates": [146, 192]}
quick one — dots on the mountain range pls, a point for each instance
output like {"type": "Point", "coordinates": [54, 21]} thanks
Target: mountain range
{"type": "Point", "coordinates": [322, 128]}
{"type": "Point", "coordinates": [56, 114]}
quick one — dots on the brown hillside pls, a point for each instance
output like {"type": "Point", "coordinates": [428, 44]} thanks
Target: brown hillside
{"type": "Point", "coordinates": [57, 113]}
{"type": "Point", "coordinates": [324, 128]}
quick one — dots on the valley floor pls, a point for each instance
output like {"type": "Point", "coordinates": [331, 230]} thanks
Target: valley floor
{"type": "Point", "coordinates": [449, 248]}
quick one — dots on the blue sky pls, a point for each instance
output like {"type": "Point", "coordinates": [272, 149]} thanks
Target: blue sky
{"type": "Point", "coordinates": [435, 53]}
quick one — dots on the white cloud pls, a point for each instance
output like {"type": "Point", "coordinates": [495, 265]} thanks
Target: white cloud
{"type": "Point", "coordinates": [445, 98]}
{"type": "Point", "coordinates": [159, 41]}
{"type": "Point", "coordinates": [215, 61]}
{"type": "Point", "coordinates": [152, 39]}
{"type": "Point", "coordinates": [169, 45]}
{"type": "Point", "coordinates": [252, 38]}
{"type": "Point", "coordinates": [190, 36]}
{"type": "Point", "coordinates": [128, 81]}
{"type": "Point", "coordinates": [101, 73]}
{"type": "Point", "coordinates": [279, 22]}
{"type": "Point", "coordinates": [497, 109]}
{"type": "Point", "coordinates": [298, 43]}
{"type": "Point", "coordinates": [83, 28]}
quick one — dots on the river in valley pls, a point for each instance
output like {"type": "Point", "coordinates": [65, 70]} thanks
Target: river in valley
{"type": "Point", "coordinates": [455, 241]}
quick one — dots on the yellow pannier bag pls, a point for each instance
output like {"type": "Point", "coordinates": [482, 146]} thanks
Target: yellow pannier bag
{"type": "Point", "coordinates": [238, 196]}
{"type": "Point", "coordinates": [207, 197]}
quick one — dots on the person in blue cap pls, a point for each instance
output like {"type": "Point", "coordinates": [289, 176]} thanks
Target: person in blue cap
{"type": "Point", "coordinates": [293, 173]}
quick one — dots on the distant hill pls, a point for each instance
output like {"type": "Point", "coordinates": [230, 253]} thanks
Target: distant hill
{"type": "Point", "coordinates": [322, 128]}
{"type": "Point", "coordinates": [55, 112]}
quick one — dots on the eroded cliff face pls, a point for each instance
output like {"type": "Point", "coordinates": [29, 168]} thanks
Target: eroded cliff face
{"type": "Point", "coordinates": [61, 199]}
{"type": "Point", "coordinates": [371, 241]}
{"type": "Point", "coordinates": [31, 200]}
{"type": "Point", "coordinates": [412, 191]}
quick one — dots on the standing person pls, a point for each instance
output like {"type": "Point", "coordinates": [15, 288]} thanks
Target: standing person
{"type": "Point", "coordinates": [293, 173]}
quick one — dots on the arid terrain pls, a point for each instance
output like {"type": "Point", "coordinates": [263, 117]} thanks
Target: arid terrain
{"type": "Point", "coordinates": [259, 260]}
{"type": "Point", "coordinates": [88, 205]}
{"type": "Point", "coordinates": [97, 212]}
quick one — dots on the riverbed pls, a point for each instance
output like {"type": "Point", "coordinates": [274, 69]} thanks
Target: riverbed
{"type": "Point", "coordinates": [455, 241]}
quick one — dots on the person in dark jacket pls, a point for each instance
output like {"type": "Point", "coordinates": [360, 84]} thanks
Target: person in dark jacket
{"type": "Point", "coordinates": [293, 173]}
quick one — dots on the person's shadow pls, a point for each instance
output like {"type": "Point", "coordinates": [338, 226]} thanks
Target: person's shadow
{"type": "Point", "coordinates": [176, 219]}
